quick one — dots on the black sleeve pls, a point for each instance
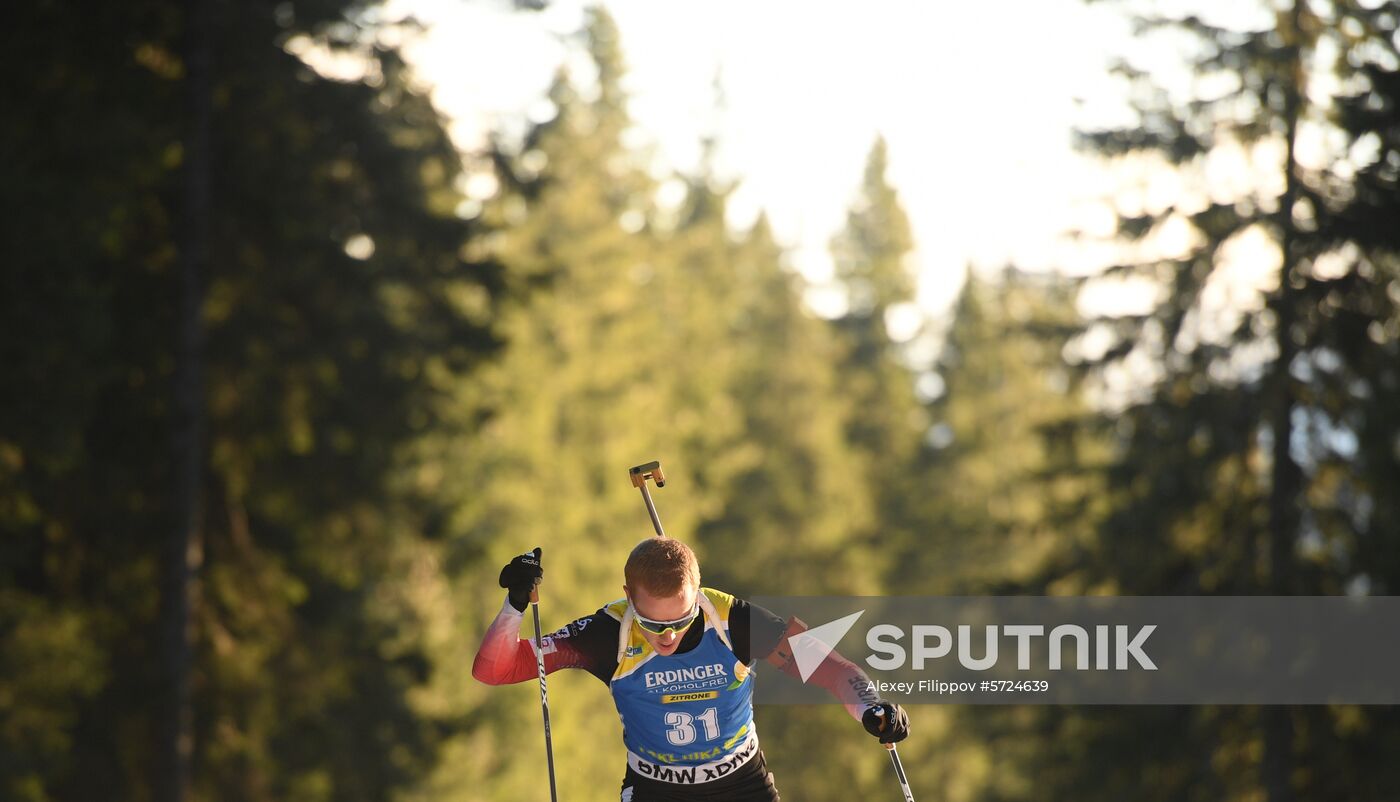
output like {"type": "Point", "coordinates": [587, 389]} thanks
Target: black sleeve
{"type": "Point", "coordinates": [589, 643]}
{"type": "Point", "coordinates": [755, 631]}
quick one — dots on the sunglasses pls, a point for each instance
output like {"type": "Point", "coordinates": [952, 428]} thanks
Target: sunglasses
{"type": "Point", "coordinates": [662, 627]}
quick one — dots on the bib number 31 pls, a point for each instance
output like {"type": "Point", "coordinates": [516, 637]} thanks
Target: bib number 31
{"type": "Point", "coordinates": [682, 726]}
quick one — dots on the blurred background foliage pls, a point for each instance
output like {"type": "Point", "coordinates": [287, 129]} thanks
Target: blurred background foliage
{"type": "Point", "coordinates": [397, 398]}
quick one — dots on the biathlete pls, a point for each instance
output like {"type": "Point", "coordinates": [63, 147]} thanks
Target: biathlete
{"type": "Point", "coordinates": [678, 659]}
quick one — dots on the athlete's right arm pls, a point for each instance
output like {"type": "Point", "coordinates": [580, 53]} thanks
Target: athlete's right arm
{"type": "Point", "coordinates": [505, 657]}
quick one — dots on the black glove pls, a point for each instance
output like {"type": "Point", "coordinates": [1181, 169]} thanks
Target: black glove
{"type": "Point", "coordinates": [891, 727]}
{"type": "Point", "coordinates": [520, 576]}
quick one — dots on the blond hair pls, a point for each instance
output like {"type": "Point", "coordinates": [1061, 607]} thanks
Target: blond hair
{"type": "Point", "coordinates": [662, 567]}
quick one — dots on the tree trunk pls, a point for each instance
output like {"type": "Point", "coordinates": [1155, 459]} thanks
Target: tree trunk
{"type": "Point", "coordinates": [181, 556]}
{"type": "Point", "coordinates": [1285, 485]}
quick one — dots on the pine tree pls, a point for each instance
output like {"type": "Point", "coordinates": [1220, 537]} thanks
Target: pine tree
{"type": "Point", "coordinates": [790, 508]}
{"type": "Point", "coordinates": [1012, 491]}
{"type": "Point", "coordinates": [1011, 484]}
{"type": "Point", "coordinates": [887, 424]}
{"type": "Point", "coordinates": [1357, 304]}
{"type": "Point", "coordinates": [1228, 474]}
{"type": "Point", "coordinates": [1355, 395]}
{"type": "Point", "coordinates": [536, 451]}
{"type": "Point", "coordinates": [333, 249]}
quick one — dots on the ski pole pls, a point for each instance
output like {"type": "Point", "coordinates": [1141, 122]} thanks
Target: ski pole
{"type": "Point", "coordinates": [898, 766]}
{"type": "Point", "coordinates": [640, 474]}
{"type": "Point", "coordinates": [544, 694]}
{"type": "Point", "coordinates": [899, 772]}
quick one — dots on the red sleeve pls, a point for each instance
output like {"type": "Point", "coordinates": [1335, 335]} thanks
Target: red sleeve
{"type": "Point", "coordinates": [842, 678]}
{"type": "Point", "coordinates": [505, 657]}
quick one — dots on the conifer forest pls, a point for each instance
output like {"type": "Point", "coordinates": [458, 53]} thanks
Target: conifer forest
{"type": "Point", "coordinates": [279, 399]}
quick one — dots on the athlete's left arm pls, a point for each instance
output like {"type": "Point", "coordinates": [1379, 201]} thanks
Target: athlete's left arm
{"type": "Point", "coordinates": [760, 634]}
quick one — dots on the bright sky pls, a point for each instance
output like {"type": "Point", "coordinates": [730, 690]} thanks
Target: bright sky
{"type": "Point", "coordinates": [976, 100]}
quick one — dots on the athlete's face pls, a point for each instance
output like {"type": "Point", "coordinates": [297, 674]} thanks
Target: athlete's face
{"type": "Point", "coordinates": [663, 608]}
